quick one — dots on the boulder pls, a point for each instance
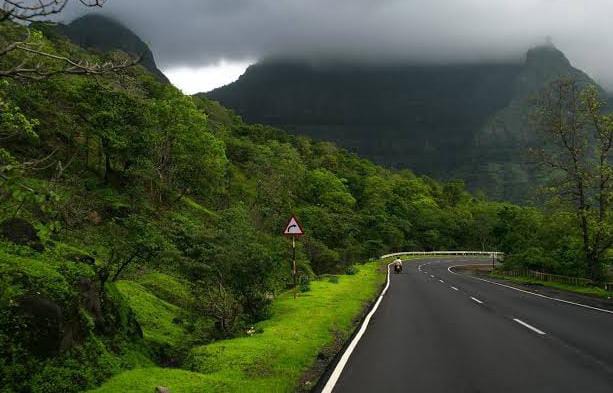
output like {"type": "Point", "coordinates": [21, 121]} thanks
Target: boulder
{"type": "Point", "coordinates": [43, 319]}
{"type": "Point", "coordinates": [20, 231]}
{"type": "Point", "coordinates": [162, 389]}
{"type": "Point", "coordinates": [90, 300]}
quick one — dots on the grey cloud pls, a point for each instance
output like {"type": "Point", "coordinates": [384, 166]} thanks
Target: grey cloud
{"type": "Point", "coordinates": [200, 32]}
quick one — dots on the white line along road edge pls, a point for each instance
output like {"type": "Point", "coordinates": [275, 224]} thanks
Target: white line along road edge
{"type": "Point", "coordinates": [345, 358]}
{"type": "Point", "coordinates": [532, 293]}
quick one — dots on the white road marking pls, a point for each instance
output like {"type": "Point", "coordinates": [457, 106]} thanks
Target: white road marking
{"type": "Point", "coordinates": [431, 276]}
{"type": "Point", "coordinates": [476, 300]}
{"type": "Point", "coordinates": [542, 333]}
{"type": "Point", "coordinates": [345, 358]}
{"type": "Point", "coordinates": [454, 288]}
{"type": "Point", "coordinates": [532, 293]}
{"type": "Point", "coordinates": [441, 281]}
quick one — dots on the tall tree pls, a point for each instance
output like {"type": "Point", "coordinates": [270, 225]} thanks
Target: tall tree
{"type": "Point", "coordinates": [578, 145]}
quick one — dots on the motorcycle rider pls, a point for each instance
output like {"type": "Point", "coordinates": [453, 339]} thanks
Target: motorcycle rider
{"type": "Point", "coordinates": [397, 265]}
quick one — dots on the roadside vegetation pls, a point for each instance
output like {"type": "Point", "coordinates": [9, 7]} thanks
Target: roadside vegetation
{"type": "Point", "coordinates": [140, 227]}
{"type": "Point", "coordinates": [277, 353]}
{"type": "Point", "coordinates": [582, 290]}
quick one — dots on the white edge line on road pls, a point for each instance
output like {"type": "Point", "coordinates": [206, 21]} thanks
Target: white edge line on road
{"type": "Point", "coordinates": [532, 293]}
{"type": "Point", "coordinates": [476, 300]}
{"type": "Point", "coordinates": [347, 354]}
{"type": "Point", "coordinates": [542, 333]}
{"type": "Point", "coordinates": [455, 289]}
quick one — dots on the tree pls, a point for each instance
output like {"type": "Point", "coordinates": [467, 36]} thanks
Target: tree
{"type": "Point", "coordinates": [578, 142]}
{"type": "Point", "coordinates": [133, 240]}
{"type": "Point", "coordinates": [24, 53]}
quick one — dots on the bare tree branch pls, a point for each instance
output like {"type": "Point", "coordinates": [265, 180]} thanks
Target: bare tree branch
{"type": "Point", "coordinates": [33, 10]}
{"type": "Point", "coordinates": [29, 61]}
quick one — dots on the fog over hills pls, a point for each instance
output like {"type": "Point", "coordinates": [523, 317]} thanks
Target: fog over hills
{"type": "Point", "coordinates": [197, 33]}
{"type": "Point", "coordinates": [465, 121]}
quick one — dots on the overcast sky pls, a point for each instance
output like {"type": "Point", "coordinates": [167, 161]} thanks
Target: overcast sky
{"type": "Point", "coordinates": [202, 44]}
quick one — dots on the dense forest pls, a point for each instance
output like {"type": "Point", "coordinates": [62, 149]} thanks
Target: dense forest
{"type": "Point", "coordinates": [116, 184]}
{"type": "Point", "coordinates": [466, 121]}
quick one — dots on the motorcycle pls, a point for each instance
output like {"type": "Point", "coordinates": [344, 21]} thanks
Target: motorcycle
{"type": "Point", "coordinates": [398, 269]}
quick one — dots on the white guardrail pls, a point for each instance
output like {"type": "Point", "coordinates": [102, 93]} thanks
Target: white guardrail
{"type": "Point", "coordinates": [418, 253]}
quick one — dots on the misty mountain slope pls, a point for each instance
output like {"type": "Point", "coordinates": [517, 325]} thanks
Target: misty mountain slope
{"type": "Point", "coordinates": [105, 34]}
{"type": "Point", "coordinates": [424, 110]}
{"type": "Point", "coordinates": [466, 121]}
{"type": "Point", "coordinates": [500, 163]}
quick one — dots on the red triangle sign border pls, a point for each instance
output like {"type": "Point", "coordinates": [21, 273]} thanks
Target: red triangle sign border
{"type": "Point", "coordinates": [293, 227]}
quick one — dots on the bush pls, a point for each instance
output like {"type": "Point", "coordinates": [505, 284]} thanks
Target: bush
{"type": "Point", "coordinates": [305, 284]}
{"type": "Point", "coordinates": [333, 279]}
{"type": "Point", "coordinates": [351, 270]}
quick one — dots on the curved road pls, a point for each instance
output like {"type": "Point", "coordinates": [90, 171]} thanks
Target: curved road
{"type": "Point", "coordinates": [436, 331]}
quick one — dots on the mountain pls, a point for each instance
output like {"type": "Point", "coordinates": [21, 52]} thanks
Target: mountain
{"type": "Point", "coordinates": [105, 34]}
{"type": "Point", "coordinates": [463, 121]}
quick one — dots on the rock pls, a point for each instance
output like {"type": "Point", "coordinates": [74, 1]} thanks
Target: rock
{"type": "Point", "coordinates": [20, 231]}
{"type": "Point", "coordinates": [43, 319]}
{"type": "Point", "coordinates": [74, 335]}
{"type": "Point", "coordinates": [90, 300]}
{"type": "Point", "coordinates": [94, 217]}
{"type": "Point", "coordinates": [162, 389]}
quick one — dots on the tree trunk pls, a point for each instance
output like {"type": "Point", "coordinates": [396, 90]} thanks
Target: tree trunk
{"type": "Point", "coordinates": [107, 168]}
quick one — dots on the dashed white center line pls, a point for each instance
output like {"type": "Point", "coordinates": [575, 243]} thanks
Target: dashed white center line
{"type": "Point", "coordinates": [431, 276]}
{"type": "Point", "coordinates": [476, 300]}
{"type": "Point", "coordinates": [542, 333]}
{"type": "Point", "coordinates": [441, 281]}
{"type": "Point", "coordinates": [454, 288]}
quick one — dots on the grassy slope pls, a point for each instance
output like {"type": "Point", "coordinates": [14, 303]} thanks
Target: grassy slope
{"type": "Point", "coordinates": [590, 291]}
{"type": "Point", "coordinates": [274, 360]}
{"type": "Point", "coordinates": [154, 315]}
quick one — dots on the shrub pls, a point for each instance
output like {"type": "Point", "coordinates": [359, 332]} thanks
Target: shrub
{"type": "Point", "coordinates": [351, 270]}
{"type": "Point", "coordinates": [305, 284]}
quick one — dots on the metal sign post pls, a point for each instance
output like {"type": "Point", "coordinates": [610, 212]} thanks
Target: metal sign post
{"type": "Point", "coordinates": [294, 229]}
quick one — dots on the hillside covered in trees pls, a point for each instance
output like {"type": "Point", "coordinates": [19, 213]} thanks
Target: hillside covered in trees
{"type": "Point", "coordinates": [137, 223]}
{"type": "Point", "coordinates": [467, 121]}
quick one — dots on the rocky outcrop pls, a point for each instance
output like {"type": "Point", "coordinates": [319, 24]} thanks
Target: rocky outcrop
{"type": "Point", "coordinates": [20, 231]}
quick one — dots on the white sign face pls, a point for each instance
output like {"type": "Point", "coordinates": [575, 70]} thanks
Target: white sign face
{"type": "Point", "coordinates": [293, 228]}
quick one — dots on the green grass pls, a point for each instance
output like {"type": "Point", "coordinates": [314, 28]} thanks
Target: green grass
{"type": "Point", "coordinates": [154, 314]}
{"type": "Point", "coordinates": [195, 205]}
{"type": "Point", "coordinates": [276, 359]}
{"type": "Point", "coordinates": [590, 291]}
{"type": "Point", "coordinates": [38, 272]}
{"type": "Point", "coordinates": [168, 288]}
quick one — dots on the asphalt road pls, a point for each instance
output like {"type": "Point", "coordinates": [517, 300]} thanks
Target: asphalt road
{"type": "Point", "coordinates": [435, 331]}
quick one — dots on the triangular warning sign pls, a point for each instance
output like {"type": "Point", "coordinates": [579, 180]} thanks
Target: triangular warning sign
{"type": "Point", "coordinates": [293, 228]}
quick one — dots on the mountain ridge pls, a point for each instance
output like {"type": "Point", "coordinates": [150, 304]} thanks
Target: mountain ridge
{"type": "Point", "coordinates": [464, 121]}
{"type": "Point", "coordinates": [103, 33]}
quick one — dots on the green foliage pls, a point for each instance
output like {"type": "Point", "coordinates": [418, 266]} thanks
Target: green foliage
{"type": "Point", "coordinates": [127, 179]}
{"type": "Point", "coordinates": [275, 359]}
{"type": "Point", "coordinates": [26, 274]}
{"type": "Point", "coordinates": [351, 270]}
{"type": "Point", "coordinates": [304, 284]}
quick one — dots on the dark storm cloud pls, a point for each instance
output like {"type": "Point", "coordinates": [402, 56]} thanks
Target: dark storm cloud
{"type": "Point", "coordinates": [200, 32]}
